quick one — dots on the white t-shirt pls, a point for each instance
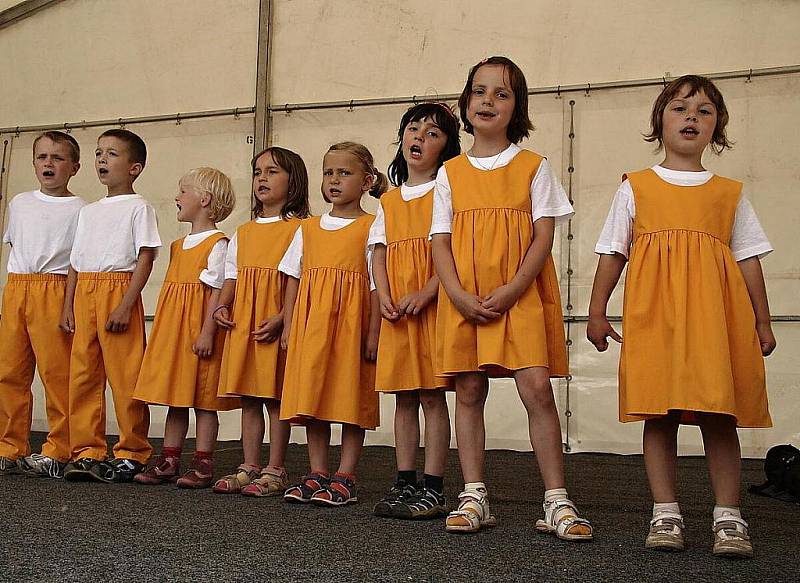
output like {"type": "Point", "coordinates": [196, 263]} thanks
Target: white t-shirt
{"type": "Point", "coordinates": [214, 273]}
{"type": "Point", "coordinates": [111, 232]}
{"type": "Point", "coordinates": [41, 229]}
{"type": "Point", "coordinates": [292, 261]}
{"type": "Point", "coordinates": [231, 265]}
{"type": "Point", "coordinates": [747, 238]}
{"type": "Point", "coordinates": [548, 198]}
{"type": "Point", "coordinates": [377, 233]}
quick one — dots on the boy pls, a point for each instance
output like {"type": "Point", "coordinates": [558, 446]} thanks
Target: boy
{"type": "Point", "coordinates": [41, 227]}
{"type": "Point", "coordinates": [115, 245]}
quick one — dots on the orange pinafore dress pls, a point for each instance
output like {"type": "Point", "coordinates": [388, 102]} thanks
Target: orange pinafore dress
{"type": "Point", "coordinates": [406, 347]}
{"type": "Point", "coordinates": [491, 232]}
{"type": "Point", "coordinates": [327, 377]}
{"type": "Point", "coordinates": [690, 341]}
{"type": "Point", "coordinates": [171, 373]}
{"type": "Point", "coordinates": [250, 368]}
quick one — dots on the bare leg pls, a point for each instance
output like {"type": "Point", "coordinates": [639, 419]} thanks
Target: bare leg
{"type": "Point", "coordinates": [318, 435]}
{"type": "Point", "coordinates": [406, 429]}
{"type": "Point", "coordinates": [252, 429]}
{"type": "Point", "coordinates": [352, 444]}
{"type": "Point", "coordinates": [544, 428]}
{"type": "Point", "coordinates": [207, 427]}
{"type": "Point", "coordinates": [437, 431]}
{"type": "Point", "coordinates": [660, 442]}
{"type": "Point", "coordinates": [176, 427]}
{"type": "Point", "coordinates": [278, 434]}
{"type": "Point", "coordinates": [723, 455]}
{"type": "Point", "coordinates": [471, 392]}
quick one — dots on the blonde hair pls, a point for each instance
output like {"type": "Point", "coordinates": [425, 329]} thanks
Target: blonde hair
{"type": "Point", "coordinates": [218, 186]}
{"type": "Point", "coordinates": [380, 182]}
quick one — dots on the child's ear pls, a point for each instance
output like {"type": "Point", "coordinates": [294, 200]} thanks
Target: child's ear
{"type": "Point", "coordinates": [136, 169]}
{"type": "Point", "coordinates": [369, 182]}
{"type": "Point", "coordinates": [205, 200]}
{"type": "Point", "coordinates": [75, 167]}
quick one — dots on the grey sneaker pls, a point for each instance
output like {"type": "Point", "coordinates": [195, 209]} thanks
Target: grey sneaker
{"type": "Point", "coordinates": [666, 533]}
{"type": "Point", "coordinates": [8, 466]}
{"type": "Point", "coordinates": [731, 538]}
{"type": "Point", "coordinates": [41, 465]}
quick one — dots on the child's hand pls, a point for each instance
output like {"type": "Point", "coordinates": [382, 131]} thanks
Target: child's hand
{"type": "Point", "coordinates": [413, 303]}
{"type": "Point", "coordinates": [388, 309]}
{"type": "Point", "coordinates": [67, 323]}
{"type": "Point", "coordinates": [472, 308]}
{"type": "Point", "coordinates": [598, 329]}
{"type": "Point", "coordinates": [766, 338]}
{"type": "Point", "coordinates": [269, 330]}
{"type": "Point", "coordinates": [501, 299]}
{"type": "Point", "coordinates": [285, 339]}
{"type": "Point", "coordinates": [204, 345]}
{"type": "Point", "coordinates": [222, 316]}
{"type": "Point", "coordinates": [119, 319]}
{"type": "Point", "coordinates": [371, 347]}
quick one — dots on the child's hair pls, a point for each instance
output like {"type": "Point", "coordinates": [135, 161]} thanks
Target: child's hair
{"type": "Point", "coordinates": [520, 125]}
{"type": "Point", "coordinates": [297, 198]}
{"type": "Point", "coordinates": [61, 138]}
{"type": "Point", "coordinates": [137, 151]}
{"type": "Point", "coordinates": [363, 155]}
{"type": "Point", "coordinates": [218, 186]}
{"type": "Point", "coordinates": [440, 114]}
{"type": "Point", "coordinates": [694, 84]}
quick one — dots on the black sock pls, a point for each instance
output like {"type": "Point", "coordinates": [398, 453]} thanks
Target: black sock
{"type": "Point", "coordinates": [435, 483]}
{"type": "Point", "coordinates": [407, 476]}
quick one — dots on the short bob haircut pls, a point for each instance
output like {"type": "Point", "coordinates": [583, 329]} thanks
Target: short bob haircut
{"type": "Point", "coordinates": [137, 151]}
{"type": "Point", "coordinates": [520, 126]}
{"type": "Point", "coordinates": [693, 84]}
{"type": "Point", "coordinates": [440, 114]}
{"type": "Point", "coordinates": [297, 198]}
{"type": "Point", "coordinates": [218, 186]}
{"type": "Point", "coordinates": [61, 138]}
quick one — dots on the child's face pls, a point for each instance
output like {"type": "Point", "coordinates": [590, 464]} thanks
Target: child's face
{"type": "Point", "coordinates": [688, 123]}
{"type": "Point", "coordinates": [53, 164]}
{"type": "Point", "coordinates": [191, 203]}
{"type": "Point", "coordinates": [270, 182]}
{"type": "Point", "coordinates": [491, 101]}
{"type": "Point", "coordinates": [113, 164]}
{"type": "Point", "coordinates": [343, 178]}
{"type": "Point", "coordinates": [423, 142]}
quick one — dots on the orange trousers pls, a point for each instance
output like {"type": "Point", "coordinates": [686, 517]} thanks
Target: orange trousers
{"type": "Point", "coordinates": [30, 337]}
{"type": "Point", "coordinates": [98, 355]}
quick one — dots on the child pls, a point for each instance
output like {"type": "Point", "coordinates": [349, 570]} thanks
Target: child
{"type": "Point", "coordinates": [41, 227]}
{"type": "Point", "coordinates": [328, 267]}
{"type": "Point", "coordinates": [494, 215]}
{"type": "Point", "coordinates": [696, 323]}
{"type": "Point", "coordinates": [181, 364]}
{"type": "Point", "coordinates": [251, 309]}
{"type": "Point", "coordinates": [406, 288]}
{"type": "Point", "coordinates": [115, 245]}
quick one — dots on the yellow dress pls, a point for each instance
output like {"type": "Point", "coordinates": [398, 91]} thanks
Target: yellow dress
{"type": "Point", "coordinates": [327, 377]}
{"type": "Point", "coordinates": [690, 341]}
{"type": "Point", "coordinates": [492, 231]}
{"type": "Point", "coordinates": [171, 373]}
{"type": "Point", "coordinates": [250, 368]}
{"type": "Point", "coordinates": [406, 347]}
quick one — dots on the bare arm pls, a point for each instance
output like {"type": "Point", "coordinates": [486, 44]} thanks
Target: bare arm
{"type": "Point", "coordinates": [119, 319]}
{"type": "Point", "coordinates": [289, 299]}
{"type": "Point", "coordinates": [67, 323]}
{"type": "Point", "coordinates": [204, 344]}
{"type": "Point", "coordinates": [222, 313]}
{"type": "Point", "coordinates": [371, 344]}
{"type": "Point", "coordinates": [381, 277]}
{"type": "Point", "coordinates": [598, 329]}
{"type": "Point", "coordinates": [754, 280]}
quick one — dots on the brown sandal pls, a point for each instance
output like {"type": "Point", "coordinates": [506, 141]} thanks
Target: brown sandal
{"type": "Point", "coordinates": [271, 482]}
{"type": "Point", "coordinates": [233, 483]}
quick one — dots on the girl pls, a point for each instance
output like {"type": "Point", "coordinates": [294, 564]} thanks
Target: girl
{"type": "Point", "coordinates": [181, 363]}
{"type": "Point", "coordinates": [696, 323]}
{"type": "Point", "coordinates": [494, 215]}
{"type": "Point", "coordinates": [252, 365]}
{"type": "Point", "coordinates": [407, 287]}
{"type": "Point", "coordinates": [333, 307]}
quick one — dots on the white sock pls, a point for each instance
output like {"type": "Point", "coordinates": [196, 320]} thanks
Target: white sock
{"type": "Point", "coordinates": [555, 494]}
{"type": "Point", "coordinates": [721, 512]}
{"type": "Point", "coordinates": [479, 487]}
{"type": "Point", "coordinates": [666, 507]}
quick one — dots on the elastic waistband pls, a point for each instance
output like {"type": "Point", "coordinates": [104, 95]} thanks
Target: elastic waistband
{"type": "Point", "coordinates": [12, 277]}
{"type": "Point", "coordinates": [105, 275]}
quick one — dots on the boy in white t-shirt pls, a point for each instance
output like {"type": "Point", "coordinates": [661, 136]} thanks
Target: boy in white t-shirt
{"type": "Point", "coordinates": [116, 242]}
{"type": "Point", "coordinates": [41, 226]}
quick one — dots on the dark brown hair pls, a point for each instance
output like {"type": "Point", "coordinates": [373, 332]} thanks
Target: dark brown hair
{"type": "Point", "coordinates": [364, 156]}
{"type": "Point", "coordinates": [137, 151]}
{"type": "Point", "coordinates": [520, 125]}
{"type": "Point", "coordinates": [694, 84]}
{"type": "Point", "coordinates": [61, 138]}
{"type": "Point", "coordinates": [296, 204]}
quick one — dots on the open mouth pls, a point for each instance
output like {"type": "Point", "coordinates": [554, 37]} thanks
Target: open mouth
{"type": "Point", "coordinates": [103, 171]}
{"type": "Point", "coordinates": [179, 206]}
{"type": "Point", "coordinates": [48, 173]}
{"type": "Point", "coordinates": [263, 188]}
{"type": "Point", "coordinates": [485, 114]}
{"type": "Point", "coordinates": [334, 192]}
{"type": "Point", "coordinates": [415, 151]}
{"type": "Point", "coordinates": [690, 131]}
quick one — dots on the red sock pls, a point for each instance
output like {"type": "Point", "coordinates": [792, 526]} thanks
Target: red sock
{"type": "Point", "coordinates": [323, 473]}
{"type": "Point", "coordinates": [204, 455]}
{"type": "Point", "coordinates": [346, 476]}
{"type": "Point", "coordinates": [171, 451]}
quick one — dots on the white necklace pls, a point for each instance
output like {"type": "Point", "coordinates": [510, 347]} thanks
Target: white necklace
{"type": "Point", "coordinates": [491, 166]}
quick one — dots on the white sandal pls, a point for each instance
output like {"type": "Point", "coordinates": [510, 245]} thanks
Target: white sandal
{"type": "Point", "coordinates": [565, 522]}
{"type": "Point", "coordinates": [472, 513]}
